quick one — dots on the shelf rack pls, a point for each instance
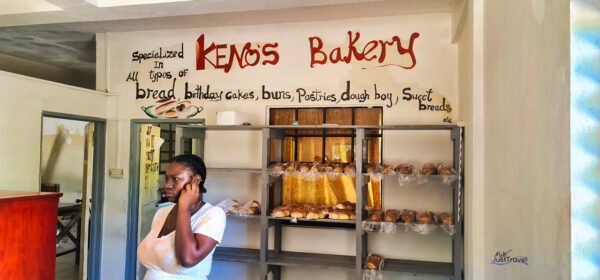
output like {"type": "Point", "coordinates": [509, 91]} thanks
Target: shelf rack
{"type": "Point", "coordinates": [271, 261]}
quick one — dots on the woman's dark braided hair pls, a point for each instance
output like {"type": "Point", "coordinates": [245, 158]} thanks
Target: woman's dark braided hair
{"type": "Point", "coordinates": [195, 164]}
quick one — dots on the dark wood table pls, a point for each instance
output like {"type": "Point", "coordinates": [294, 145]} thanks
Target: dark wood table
{"type": "Point", "coordinates": [73, 211]}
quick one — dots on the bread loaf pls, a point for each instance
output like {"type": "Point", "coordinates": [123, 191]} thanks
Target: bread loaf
{"type": "Point", "coordinates": [376, 215]}
{"type": "Point", "coordinates": [374, 261]}
{"type": "Point", "coordinates": [408, 216]}
{"type": "Point", "coordinates": [425, 218]}
{"type": "Point", "coordinates": [391, 215]}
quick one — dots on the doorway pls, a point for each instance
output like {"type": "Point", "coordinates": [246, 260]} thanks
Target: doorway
{"type": "Point", "coordinates": [72, 163]}
{"type": "Point", "coordinates": [153, 143]}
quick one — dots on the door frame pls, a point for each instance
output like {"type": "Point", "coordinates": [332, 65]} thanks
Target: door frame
{"type": "Point", "coordinates": [134, 181]}
{"type": "Point", "coordinates": [97, 191]}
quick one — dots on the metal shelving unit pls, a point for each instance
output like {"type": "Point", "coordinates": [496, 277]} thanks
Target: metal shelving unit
{"type": "Point", "coordinates": [271, 261]}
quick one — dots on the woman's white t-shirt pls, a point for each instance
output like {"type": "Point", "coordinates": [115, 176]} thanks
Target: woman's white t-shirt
{"type": "Point", "coordinates": [158, 254]}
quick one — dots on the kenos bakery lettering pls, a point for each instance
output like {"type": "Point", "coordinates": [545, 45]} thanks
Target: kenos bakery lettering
{"type": "Point", "coordinates": [211, 55]}
{"type": "Point", "coordinates": [223, 56]}
{"type": "Point", "coordinates": [374, 49]}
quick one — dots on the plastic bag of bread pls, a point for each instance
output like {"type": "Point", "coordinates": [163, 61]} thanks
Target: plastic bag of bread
{"type": "Point", "coordinates": [376, 215]}
{"type": "Point", "coordinates": [281, 212]}
{"type": "Point", "coordinates": [230, 206]}
{"type": "Point", "coordinates": [277, 169]}
{"type": "Point", "coordinates": [342, 215]}
{"type": "Point", "coordinates": [291, 167]}
{"type": "Point", "coordinates": [405, 173]}
{"type": "Point", "coordinates": [350, 169]}
{"type": "Point", "coordinates": [345, 205]}
{"type": "Point", "coordinates": [375, 172]}
{"type": "Point", "coordinates": [250, 208]}
{"type": "Point", "coordinates": [369, 274]}
{"type": "Point", "coordinates": [316, 213]}
{"type": "Point", "coordinates": [317, 170]}
{"type": "Point", "coordinates": [449, 175]}
{"type": "Point", "coordinates": [374, 262]}
{"type": "Point", "coordinates": [425, 223]}
{"type": "Point", "coordinates": [446, 223]}
{"type": "Point", "coordinates": [427, 170]}
{"type": "Point", "coordinates": [334, 170]}
{"type": "Point", "coordinates": [388, 169]}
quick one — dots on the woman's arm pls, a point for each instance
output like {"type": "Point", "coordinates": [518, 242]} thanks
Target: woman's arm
{"type": "Point", "coordinates": [190, 248]}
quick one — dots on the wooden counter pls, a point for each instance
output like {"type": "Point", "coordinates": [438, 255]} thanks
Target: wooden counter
{"type": "Point", "coordinates": [28, 234]}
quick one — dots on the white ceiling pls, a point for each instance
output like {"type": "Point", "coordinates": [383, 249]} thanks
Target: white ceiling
{"type": "Point", "coordinates": [35, 12]}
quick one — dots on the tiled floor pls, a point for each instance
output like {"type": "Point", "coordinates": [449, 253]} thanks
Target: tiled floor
{"type": "Point", "coordinates": [66, 268]}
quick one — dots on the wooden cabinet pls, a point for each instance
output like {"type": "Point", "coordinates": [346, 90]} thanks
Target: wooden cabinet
{"type": "Point", "coordinates": [28, 235]}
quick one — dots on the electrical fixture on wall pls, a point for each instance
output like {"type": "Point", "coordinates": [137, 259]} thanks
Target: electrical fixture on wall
{"type": "Point", "coordinates": [116, 3]}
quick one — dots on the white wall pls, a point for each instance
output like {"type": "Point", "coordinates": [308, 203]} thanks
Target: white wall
{"type": "Point", "coordinates": [527, 193]}
{"type": "Point", "coordinates": [22, 101]}
{"type": "Point", "coordinates": [62, 156]}
{"type": "Point", "coordinates": [436, 68]}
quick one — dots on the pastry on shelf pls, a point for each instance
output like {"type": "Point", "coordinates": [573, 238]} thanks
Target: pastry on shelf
{"type": "Point", "coordinates": [250, 211]}
{"type": "Point", "coordinates": [405, 169]}
{"type": "Point", "coordinates": [338, 168]}
{"type": "Point", "coordinates": [391, 215]}
{"type": "Point", "coordinates": [253, 203]}
{"type": "Point", "coordinates": [317, 167]}
{"type": "Point", "coordinates": [304, 167]}
{"type": "Point", "coordinates": [372, 168]}
{"type": "Point", "coordinates": [281, 212]}
{"type": "Point", "coordinates": [388, 169]}
{"type": "Point", "coordinates": [445, 218]}
{"type": "Point", "coordinates": [342, 215]}
{"type": "Point", "coordinates": [425, 218]}
{"type": "Point", "coordinates": [328, 167]}
{"type": "Point", "coordinates": [446, 170]}
{"type": "Point", "coordinates": [314, 213]}
{"type": "Point", "coordinates": [429, 169]}
{"type": "Point", "coordinates": [299, 212]}
{"type": "Point", "coordinates": [374, 261]}
{"type": "Point", "coordinates": [408, 216]}
{"type": "Point", "coordinates": [376, 215]}
{"type": "Point", "coordinates": [233, 207]}
{"type": "Point", "coordinates": [350, 168]}
{"type": "Point", "coordinates": [345, 205]}
{"type": "Point", "coordinates": [278, 167]}
{"type": "Point", "coordinates": [291, 167]}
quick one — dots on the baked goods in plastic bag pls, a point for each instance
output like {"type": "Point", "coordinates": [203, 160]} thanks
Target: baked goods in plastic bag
{"type": "Point", "coordinates": [277, 169]}
{"type": "Point", "coordinates": [250, 208]}
{"type": "Point", "coordinates": [350, 169]}
{"type": "Point", "coordinates": [373, 266]}
{"type": "Point", "coordinates": [405, 173]}
{"type": "Point", "coordinates": [230, 206]}
{"type": "Point", "coordinates": [425, 223]}
{"type": "Point", "coordinates": [369, 274]}
{"type": "Point", "coordinates": [428, 169]}
{"type": "Point", "coordinates": [446, 223]}
{"type": "Point", "coordinates": [281, 212]}
{"type": "Point", "coordinates": [391, 215]}
{"type": "Point", "coordinates": [449, 175]}
{"type": "Point", "coordinates": [376, 215]}
{"type": "Point", "coordinates": [388, 169]}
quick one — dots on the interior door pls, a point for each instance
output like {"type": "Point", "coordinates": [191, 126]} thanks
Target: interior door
{"type": "Point", "coordinates": [149, 196]}
{"type": "Point", "coordinates": [88, 160]}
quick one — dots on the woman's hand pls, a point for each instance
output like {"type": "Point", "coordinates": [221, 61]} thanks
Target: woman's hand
{"type": "Point", "coordinates": [189, 197]}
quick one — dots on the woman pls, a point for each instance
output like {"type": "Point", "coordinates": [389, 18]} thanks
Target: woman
{"type": "Point", "coordinates": [183, 236]}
